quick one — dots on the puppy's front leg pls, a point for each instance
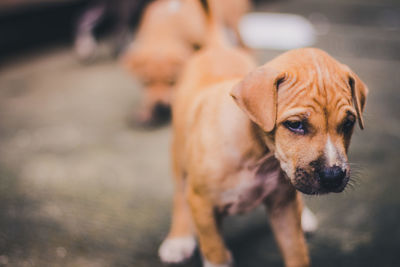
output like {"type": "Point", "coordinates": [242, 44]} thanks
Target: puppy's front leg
{"type": "Point", "coordinates": [284, 210]}
{"type": "Point", "coordinates": [210, 240]}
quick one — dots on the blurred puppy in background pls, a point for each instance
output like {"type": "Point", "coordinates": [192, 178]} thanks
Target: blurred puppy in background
{"type": "Point", "coordinates": [245, 136]}
{"type": "Point", "coordinates": [170, 31]}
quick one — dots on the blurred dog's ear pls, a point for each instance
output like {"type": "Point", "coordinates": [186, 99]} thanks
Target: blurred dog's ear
{"type": "Point", "coordinates": [359, 92]}
{"type": "Point", "coordinates": [256, 95]}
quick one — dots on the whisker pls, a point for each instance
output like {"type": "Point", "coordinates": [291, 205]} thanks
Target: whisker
{"type": "Point", "coordinates": [354, 164]}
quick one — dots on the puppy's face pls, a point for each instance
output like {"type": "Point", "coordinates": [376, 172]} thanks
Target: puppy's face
{"type": "Point", "coordinates": [312, 132]}
{"type": "Point", "coordinates": [308, 117]}
{"type": "Point", "coordinates": [157, 68]}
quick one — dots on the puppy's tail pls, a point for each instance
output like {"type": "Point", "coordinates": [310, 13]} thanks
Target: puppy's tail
{"type": "Point", "coordinates": [215, 35]}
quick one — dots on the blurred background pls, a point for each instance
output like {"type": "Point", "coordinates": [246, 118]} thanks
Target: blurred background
{"type": "Point", "coordinates": [81, 186]}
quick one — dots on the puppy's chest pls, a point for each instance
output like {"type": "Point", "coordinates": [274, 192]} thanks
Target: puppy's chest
{"type": "Point", "coordinates": [250, 187]}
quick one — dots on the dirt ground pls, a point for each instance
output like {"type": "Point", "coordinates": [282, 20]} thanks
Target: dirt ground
{"type": "Point", "coordinates": [80, 187]}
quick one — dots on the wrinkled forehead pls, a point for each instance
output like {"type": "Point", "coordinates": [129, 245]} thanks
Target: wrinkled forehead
{"type": "Point", "coordinates": [319, 86]}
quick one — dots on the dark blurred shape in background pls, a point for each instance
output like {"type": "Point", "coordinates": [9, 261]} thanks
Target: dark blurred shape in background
{"type": "Point", "coordinates": [26, 25]}
{"type": "Point", "coordinates": [121, 14]}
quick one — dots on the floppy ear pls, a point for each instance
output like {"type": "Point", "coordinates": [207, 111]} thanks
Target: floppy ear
{"type": "Point", "coordinates": [256, 95]}
{"type": "Point", "coordinates": [359, 92]}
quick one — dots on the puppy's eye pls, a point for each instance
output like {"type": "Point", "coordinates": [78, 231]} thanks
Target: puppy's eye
{"type": "Point", "coordinates": [295, 126]}
{"type": "Point", "coordinates": [196, 46]}
{"type": "Point", "coordinates": [147, 82]}
{"type": "Point", "coordinates": [348, 124]}
{"type": "Point", "coordinates": [171, 82]}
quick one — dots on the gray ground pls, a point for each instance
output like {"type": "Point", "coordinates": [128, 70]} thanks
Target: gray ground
{"type": "Point", "coordinates": [80, 187]}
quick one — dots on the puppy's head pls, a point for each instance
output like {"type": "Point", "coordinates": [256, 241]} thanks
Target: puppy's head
{"type": "Point", "coordinates": [157, 67]}
{"type": "Point", "coordinates": [307, 103]}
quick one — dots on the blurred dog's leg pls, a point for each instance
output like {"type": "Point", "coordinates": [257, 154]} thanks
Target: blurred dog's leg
{"type": "Point", "coordinates": [85, 42]}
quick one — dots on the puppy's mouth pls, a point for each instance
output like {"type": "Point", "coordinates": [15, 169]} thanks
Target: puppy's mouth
{"type": "Point", "coordinates": [315, 183]}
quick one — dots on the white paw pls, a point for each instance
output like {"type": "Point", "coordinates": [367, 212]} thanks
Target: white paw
{"type": "Point", "coordinates": [309, 222]}
{"type": "Point", "coordinates": [206, 263]}
{"type": "Point", "coordinates": [177, 250]}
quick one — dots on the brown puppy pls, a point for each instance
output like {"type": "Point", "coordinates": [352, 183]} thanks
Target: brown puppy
{"type": "Point", "coordinates": [168, 34]}
{"type": "Point", "coordinates": [243, 140]}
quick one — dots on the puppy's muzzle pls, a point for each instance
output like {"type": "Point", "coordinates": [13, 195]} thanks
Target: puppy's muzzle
{"type": "Point", "coordinates": [321, 179]}
{"type": "Point", "coordinates": [333, 179]}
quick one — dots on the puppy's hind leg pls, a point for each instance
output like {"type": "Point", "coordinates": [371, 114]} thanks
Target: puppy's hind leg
{"type": "Point", "coordinates": [180, 242]}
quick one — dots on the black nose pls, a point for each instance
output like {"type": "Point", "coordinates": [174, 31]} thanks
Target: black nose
{"type": "Point", "coordinates": [332, 177]}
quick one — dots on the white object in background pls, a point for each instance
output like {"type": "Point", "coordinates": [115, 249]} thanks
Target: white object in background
{"type": "Point", "coordinates": [309, 221]}
{"type": "Point", "coordinates": [276, 31]}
